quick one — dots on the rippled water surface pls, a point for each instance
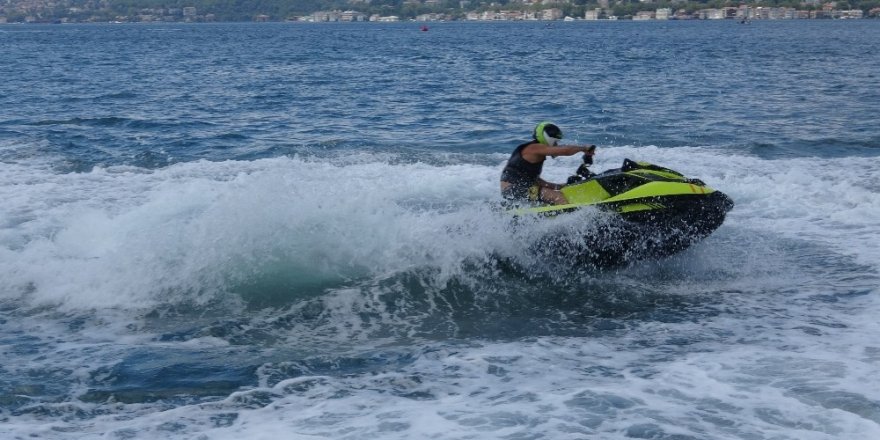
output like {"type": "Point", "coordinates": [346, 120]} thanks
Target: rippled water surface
{"type": "Point", "coordinates": [290, 231]}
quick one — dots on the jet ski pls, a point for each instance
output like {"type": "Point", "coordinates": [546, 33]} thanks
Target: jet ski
{"type": "Point", "coordinates": [645, 211]}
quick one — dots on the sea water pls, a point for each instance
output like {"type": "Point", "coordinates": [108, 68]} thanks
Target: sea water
{"type": "Point", "coordinates": [265, 231]}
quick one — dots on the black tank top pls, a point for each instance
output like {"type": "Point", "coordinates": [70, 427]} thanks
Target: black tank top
{"type": "Point", "coordinates": [519, 171]}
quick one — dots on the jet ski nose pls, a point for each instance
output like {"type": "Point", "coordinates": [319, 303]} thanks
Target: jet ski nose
{"type": "Point", "coordinates": [725, 202]}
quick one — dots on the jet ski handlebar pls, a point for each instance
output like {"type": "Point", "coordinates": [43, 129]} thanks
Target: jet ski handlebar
{"type": "Point", "coordinates": [583, 172]}
{"type": "Point", "coordinates": [588, 156]}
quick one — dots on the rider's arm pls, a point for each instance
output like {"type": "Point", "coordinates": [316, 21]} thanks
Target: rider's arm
{"type": "Point", "coordinates": [547, 150]}
{"type": "Point", "coordinates": [565, 150]}
{"type": "Point", "coordinates": [571, 150]}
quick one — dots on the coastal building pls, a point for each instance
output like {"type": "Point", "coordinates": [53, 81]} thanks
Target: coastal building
{"type": "Point", "coordinates": [711, 14]}
{"type": "Point", "coordinates": [352, 16]}
{"type": "Point", "coordinates": [430, 17]}
{"type": "Point", "coordinates": [592, 14]}
{"type": "Point", "coordinates": [323, 16]}
{"type": "Point", "coordinates": [503, 15]}
{"type": "Point", "coordinates": [61, 11]}
{"type": "Point", "coordinates": [551, 14]}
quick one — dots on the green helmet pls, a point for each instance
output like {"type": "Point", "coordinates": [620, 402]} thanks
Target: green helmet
{"type": "Point", "coordinates": [548, 133]}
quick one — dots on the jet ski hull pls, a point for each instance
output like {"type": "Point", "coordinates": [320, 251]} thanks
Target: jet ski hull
{"type": "Point", "coordinates": [650, 215]}
{"type": "Point", "coordinates": [627, 238]}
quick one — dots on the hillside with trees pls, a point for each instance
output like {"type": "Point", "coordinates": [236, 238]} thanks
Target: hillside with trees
{"type": "Point", "coordinates": [278, 10]}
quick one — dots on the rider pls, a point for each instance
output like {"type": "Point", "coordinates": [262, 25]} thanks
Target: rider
{"type": "Point", "coordinates": [521, 179]}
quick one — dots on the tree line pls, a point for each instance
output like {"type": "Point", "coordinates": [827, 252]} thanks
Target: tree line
{"type": "Point", "coordinates": [276, 10]}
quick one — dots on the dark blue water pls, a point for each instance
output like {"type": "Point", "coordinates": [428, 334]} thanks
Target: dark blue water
{"type": "Point", "coordinates": [287, 230]}
{"type": "Point", "coordinates": [151, 95]}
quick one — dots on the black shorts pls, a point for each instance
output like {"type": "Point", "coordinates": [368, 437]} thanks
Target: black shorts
{"type": "Point", "coordinates": [522, 192]}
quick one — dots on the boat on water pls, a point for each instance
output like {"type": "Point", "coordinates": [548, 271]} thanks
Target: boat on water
{"type": "Point", "coordinates": [651, 212]}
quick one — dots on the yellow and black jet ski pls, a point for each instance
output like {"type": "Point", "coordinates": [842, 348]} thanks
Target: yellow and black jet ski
{"type": "Point", "coordinates": [655, 212]}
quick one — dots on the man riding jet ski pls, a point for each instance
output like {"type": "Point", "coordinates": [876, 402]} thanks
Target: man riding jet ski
{"type": "Point", "coordinates": [655, 211]}
{"type": "Point", "coordinates": [521, 181]}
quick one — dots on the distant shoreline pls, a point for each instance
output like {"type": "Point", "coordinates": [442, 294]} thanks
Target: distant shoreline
{"type": "Point", "coordinates": [410, 21]}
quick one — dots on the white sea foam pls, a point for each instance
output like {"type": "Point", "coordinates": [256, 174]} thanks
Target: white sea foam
{"type": "Point", "coordinates": [762, 359]}
{"type": "Point", "coordinates": [121, 237]}
{"type": "Point", "coordinates": [129, 237]}
{"type": "Point", "coordinates": [550, 387]}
